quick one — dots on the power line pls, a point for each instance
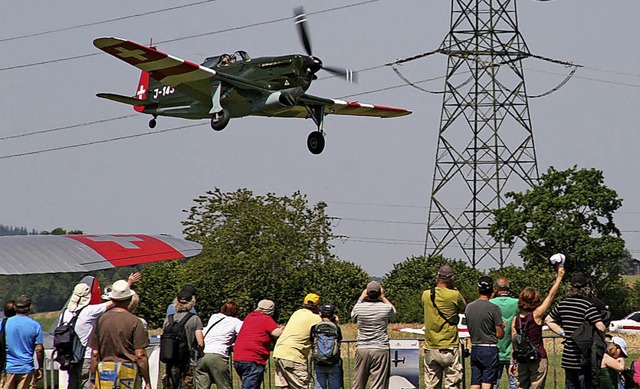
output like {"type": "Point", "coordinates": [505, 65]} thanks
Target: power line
{"type": "Point", "coordinates": [100, 141]}
{"type": "Point", "coordinates": [66, 127]}
{"type": "Point", "coordinates": [246, 26]}
{"type": "Point", "coordinates": [104, 21]}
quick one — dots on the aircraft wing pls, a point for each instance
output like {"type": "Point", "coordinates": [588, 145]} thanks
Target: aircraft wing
{"type": "Point", "coordinates": [186, 77]}
{"type": "Point", "coordinates": [32, 254]}
{"type": "Point", "coordinates": [338, 107]}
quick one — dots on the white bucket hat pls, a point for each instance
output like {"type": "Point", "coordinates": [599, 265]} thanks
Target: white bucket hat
{"type": "Point", "coordinates": [120, 290]}
{"type": "Point", "coordinates": [80, 298]}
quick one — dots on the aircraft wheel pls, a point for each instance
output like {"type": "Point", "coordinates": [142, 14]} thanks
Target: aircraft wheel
{"type": "Point", "coordinates": [315, 142]}
{"type": "Point", "coordinates": [152, 123]}
{"type": "Point", "coordinates": [219, 120]}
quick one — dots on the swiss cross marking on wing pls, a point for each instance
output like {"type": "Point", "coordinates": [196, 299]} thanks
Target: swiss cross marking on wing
{"type": "Point", "coordinates": [124, 241]}
{"type": "Point", "coordinates": [137, 53]}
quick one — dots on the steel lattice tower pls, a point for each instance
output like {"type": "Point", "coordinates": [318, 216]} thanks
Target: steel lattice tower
{"type": "Point", "coordinates": [485, 140]}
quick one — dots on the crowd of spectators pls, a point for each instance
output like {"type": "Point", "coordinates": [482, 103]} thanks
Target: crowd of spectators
{"type": "Point", "coordinates": [116, 339]}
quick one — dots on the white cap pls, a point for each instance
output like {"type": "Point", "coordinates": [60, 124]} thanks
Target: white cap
{"type": "Point", "coordinates": [557, 259]}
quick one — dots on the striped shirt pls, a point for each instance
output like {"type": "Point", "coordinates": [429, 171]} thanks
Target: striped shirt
{"type": "Point", "coordinates": [373, 319]}
{"type": "Point", "coordinates": [570, 313]}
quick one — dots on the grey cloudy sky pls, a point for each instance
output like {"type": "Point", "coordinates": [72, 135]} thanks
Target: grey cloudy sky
{"type": "Point", "coordinates": [374, 174]}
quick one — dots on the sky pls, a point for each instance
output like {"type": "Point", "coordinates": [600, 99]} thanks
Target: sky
{"type": "Point", "coordinates": [374, 174]}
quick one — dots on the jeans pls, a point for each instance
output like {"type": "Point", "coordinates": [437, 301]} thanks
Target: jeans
{"type": "Point", "coordinates": [577, 379]}
{"type": "Point", "coordinates": [251, 374]}
{"type": "Point", "coordinates": [504, 365]}
{"type": "Point", "coordinates": [328, 377]}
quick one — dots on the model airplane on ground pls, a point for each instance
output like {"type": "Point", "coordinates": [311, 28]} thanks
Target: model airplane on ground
{"type": "Point", "coordinates": [35, 254]}
{"type": "Point", "coordinates": [232, 86]}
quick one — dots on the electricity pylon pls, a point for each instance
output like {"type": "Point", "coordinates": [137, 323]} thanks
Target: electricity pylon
{"type": "Point", "coordinates": [485, 141]}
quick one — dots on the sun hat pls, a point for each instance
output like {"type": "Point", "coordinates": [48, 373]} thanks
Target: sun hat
{"type": "Point", "coordinates": [620, 343]}
{"type": "Point", "coordinates": [80, 298]}
{"type": "Point", "coordinates": [120, 291]}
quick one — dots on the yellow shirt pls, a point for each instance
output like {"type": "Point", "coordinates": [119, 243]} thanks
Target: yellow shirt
{"type": "Point", "coordinates": [437, 332]}
{"type": "Point", "coordinates": [294, 344]}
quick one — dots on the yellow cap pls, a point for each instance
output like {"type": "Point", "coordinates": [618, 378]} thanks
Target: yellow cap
{"type": "Point", "coordinates": [312, 298]}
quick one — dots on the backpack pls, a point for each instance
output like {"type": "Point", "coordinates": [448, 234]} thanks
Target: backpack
{"type": "Point", "coordinates": [627, 376]}
{"type": "Point", "coordinates": [523, 350]}
{"type": "Point", "coordinates": [68, 348]}
{"type": "Point", "coordinates": [3, 345]}
{"type": "Point", "coordinates": [325, 348]}
{"type": "Point", "coordinates": [174, 346]}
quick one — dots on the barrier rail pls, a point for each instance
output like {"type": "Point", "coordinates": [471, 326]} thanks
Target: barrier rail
{"type": "Point", "coordinates": [555, 375]}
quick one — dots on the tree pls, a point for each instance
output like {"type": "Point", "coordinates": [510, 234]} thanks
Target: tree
{"type": "Point", "coordinates": [255, 247]}
{"type": "Point", "coordinates": [406, 282]}
{"type": "Point", "coordinates": [571, 212]}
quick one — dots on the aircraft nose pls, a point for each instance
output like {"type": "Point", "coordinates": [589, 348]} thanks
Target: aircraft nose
{"type": "Point", "coordinates": [313, 64]}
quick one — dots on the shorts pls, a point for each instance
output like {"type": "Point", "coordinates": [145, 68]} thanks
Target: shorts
{"type": "Point", "coordinates": [484, 365]}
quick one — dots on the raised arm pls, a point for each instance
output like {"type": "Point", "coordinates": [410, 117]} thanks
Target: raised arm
{"type": "Point", "coordinates": [544, 307]}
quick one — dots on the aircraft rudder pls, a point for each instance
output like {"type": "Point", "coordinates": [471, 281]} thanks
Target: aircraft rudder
{"type": "Point", "coordinates": [142, 90]}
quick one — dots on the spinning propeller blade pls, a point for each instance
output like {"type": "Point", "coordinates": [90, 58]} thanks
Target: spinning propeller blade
{"type": "Point", "coordinates": [301, 21]}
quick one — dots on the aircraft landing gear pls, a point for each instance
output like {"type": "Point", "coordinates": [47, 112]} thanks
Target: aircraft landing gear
{"type": "Point", "coordinates": [153, 122]}
{"type": "Point", "coordinates": [315, 142]}
{"type": "Point", "coordinates": [220, 119]}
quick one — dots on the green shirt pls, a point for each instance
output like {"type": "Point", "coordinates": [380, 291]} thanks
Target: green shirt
{"type": "Point", "coordinates": [437, 332]}
{"type": "Point", "coordinates": [509, 309]}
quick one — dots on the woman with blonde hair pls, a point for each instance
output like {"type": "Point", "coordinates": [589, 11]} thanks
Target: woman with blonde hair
{"type": "Point", "coordinates": [532, 309]}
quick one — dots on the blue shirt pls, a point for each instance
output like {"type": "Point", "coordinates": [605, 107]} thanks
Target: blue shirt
{"type": "Point", "coordinates": [171, 310]}
{"type": "Point", "coordinates": [22, 334]}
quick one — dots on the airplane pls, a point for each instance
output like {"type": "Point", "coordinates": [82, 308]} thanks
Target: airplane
{"type": "Point", "coordinates": [463, 331]}
{"type": "Point", "coordinates": [36, 254]}
{"type": "Point", "coordinates": [233, 86]}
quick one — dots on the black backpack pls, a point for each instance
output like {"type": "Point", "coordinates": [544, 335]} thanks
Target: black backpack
{"type": "Point", "coordinates": [174, 346]}
{"type": "Point", "coordinates": [3, 345]}
{"type": "Point", "coordinates": [68, 349]}
{"type": "Point", "coordinates": [523, 350]}
{"type": "Point", "coordinates": [325, 348]}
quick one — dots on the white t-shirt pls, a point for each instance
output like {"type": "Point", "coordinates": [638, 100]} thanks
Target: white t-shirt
{"type": "Point", "coordinates": [222, 335]}
{"type": "Point", "coordinates": [85, 322]}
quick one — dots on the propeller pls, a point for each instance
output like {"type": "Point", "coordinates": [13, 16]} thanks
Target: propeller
{"type": "Point", "coordinates": [314, 63]}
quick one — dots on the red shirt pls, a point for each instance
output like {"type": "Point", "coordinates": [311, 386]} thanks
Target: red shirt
{"type": "Point", "coordinates": [254, 339]}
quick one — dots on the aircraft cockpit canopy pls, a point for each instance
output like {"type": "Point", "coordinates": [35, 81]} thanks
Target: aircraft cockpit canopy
{"type": "Point", "coordinates": [226, 59]}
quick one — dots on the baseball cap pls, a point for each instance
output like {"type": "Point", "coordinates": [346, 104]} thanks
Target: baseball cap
{"type": "Point", "coordinates": [184, 296]}
{"type": "Point", "coordinates": [374, 286]}
{"type": "Point", "coordinates": [311, 298]}
{"type": "Point", "coordinates": [266, 306]}
{"type": "Point", "coordinates": [189, 289]}
{"type": "Point", "coordinates": [445, 272]}
{"type": "Point", "coordinates": [23, 301]}
{"type": "Point", "coordinates": [485, 283]}
{"type": "Point", "coordinates": [327, 310]}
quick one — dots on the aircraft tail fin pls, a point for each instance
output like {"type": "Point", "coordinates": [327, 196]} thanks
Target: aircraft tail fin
{"type": "Point", "coordinates": [141, 91]}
